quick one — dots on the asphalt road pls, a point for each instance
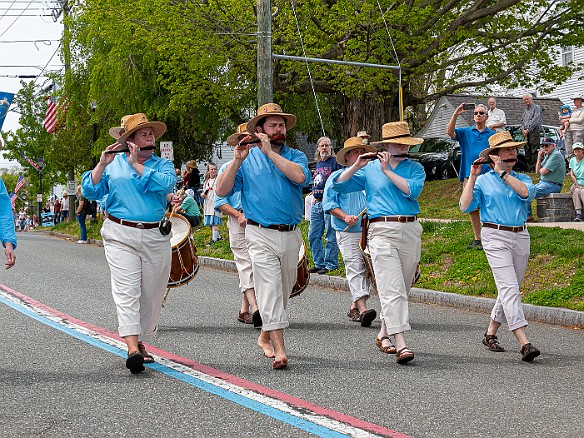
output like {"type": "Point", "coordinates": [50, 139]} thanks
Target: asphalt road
{"type": "Point", "coordinates": [55, 384]}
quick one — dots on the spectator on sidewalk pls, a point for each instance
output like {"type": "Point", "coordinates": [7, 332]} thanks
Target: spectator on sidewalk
{"type": "Point", "coordinates": [472, 140]}
{"type": "Point", "coordinates": [531, 121]}
{"type": "Point", "coordinates": [551, 167]}
{"type": "Point", "coordinates": [65, 207]}
{"type": "Point", "coordinates": [577, 176]}
{"type": "Point", "coordinates": [496, 120]}
{"type": "Point", "coordinates": [575, 132]}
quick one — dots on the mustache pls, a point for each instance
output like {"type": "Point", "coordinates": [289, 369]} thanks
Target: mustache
{"type": "Point", "coordinates": [145, 148]}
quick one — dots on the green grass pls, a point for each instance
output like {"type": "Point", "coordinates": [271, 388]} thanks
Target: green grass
{"type": "Point", "coordinates": [555, 272]}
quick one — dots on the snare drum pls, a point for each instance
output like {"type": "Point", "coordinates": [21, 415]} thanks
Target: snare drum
{"type": "Point", "coordinates": [185, 262]}
{"type": "Point", "coordinates": [303, 276]}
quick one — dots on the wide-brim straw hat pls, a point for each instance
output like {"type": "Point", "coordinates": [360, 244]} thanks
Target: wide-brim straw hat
{"type": "Point", "coordinates": [271, 109]}
{"type": "Point", "coordinates": [191, 164]}
{"type": "Point", "coordinates": [131, 123]}
{"type": "Point", "coordinates": [398, 133]}
{"type": "Point", "coordinates": [500, 140]}
{"type": "Point", "coordinates": [349, 145]}
{"type": "Point", "coordinates": [233, 139]}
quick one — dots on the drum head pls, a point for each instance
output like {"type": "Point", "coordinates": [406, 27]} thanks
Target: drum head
{"type": "Point", "coordinates": [301, 252]}
{"type": "Point", "coordinates": [181, 229]}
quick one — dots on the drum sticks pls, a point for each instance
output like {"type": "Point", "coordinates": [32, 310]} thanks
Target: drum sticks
{"type": "Point", "coordinates": [358, 217]}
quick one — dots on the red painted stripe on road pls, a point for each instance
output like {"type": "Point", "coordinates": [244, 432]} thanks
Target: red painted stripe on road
{"type": "Point", "coordinates": [294, 401]}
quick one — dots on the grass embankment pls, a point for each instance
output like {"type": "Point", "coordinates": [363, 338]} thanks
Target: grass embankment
{"type": "Point", "coordinates": [555, 273]}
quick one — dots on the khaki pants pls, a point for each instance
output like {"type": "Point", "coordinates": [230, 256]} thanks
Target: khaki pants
{"type": "Point", "coordinates": [139, 262]}
{"type": "Point", "coordinates": [507, 254]}
{"type": "Point", "coordinates": [274, 256]}
{"type": "Point", "coordinates": [395, 252]}
{"type": "Point", "coordinates": [355, 269]}
{"type": "Point", "coordinates": [240, 254]}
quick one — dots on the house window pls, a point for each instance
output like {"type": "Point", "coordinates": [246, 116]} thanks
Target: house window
{"type": "Point", "coordinates": [567, 55]}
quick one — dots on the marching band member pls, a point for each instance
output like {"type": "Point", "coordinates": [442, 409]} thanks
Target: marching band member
{"type": "Point", "coordinates": [236, 222]}
{"type": "Point", "coordinates": [138, 252]}
{"type": "Point", "coordinates": [503, 197]}
{"type": "Point", "coordinates": [392, 186]}
{"type": "Point", "coordinates": [270, 178]}
{"type": "Point", "coordinates": [345, 209]}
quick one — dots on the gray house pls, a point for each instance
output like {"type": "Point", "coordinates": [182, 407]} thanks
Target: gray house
{"type": "Point", "coordinates": [513, 106]}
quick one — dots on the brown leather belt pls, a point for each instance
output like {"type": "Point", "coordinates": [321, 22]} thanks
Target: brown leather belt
{"type": "Point", "coordinates": [505, 227]}
{"type": "Point", "coordinates": [140, 225]}
{"type": "Point", "coordinates": [279, 227]}
{"type": "Point", "coordinates": [394, 219]}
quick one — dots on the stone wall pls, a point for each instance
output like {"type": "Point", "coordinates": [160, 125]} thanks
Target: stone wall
{"type": "Point", "coordinates": [556, 207]}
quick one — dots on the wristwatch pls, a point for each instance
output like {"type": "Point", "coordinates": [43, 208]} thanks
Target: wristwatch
{"type": "Point", "coordinates": [503, 175]}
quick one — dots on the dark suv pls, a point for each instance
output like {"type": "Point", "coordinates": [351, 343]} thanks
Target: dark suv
{"type": "Point", "coordinates": [440, 157]}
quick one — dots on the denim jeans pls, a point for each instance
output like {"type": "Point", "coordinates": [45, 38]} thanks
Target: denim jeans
{"type": "Point", "coordinates": [82, 227]}
{"type": "Point", "coordinates": [542, 189]}
{"type": "Point", "coordinates": [321, 223]}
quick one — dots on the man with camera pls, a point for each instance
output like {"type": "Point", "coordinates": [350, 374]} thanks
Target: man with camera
{"type": "Point", "coordinates": [472, 140]}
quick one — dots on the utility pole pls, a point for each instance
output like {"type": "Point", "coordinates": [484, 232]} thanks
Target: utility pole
{"type": "Point", "coordinates": [265, 76]}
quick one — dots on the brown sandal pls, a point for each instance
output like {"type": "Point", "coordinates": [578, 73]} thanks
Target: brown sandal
{"type": "Point", "coordinates": [147, 357]}
{"type": "Point", "coordinates": [492, 342]}
{"type": "Point", "coordinates": [404, 356]}
{"type": "Point", "coordinates": [354, 315]}
{"type": "Point", "coordinates": [387, 350]}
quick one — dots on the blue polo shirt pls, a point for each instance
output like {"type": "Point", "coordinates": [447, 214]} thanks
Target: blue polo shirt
{"type": "Point", "coordinates": [234, 200]}
{"type": "Point", "coordinates": [384, 198]}
{"type": "Point", "coordinates": [267, 195]}
{"type": "Point", "coordinates": [351, 203]}
{"type": "Point", "coordinates": [499, 203]}
{"type": "Point", "coordinates": [130, 196]}
{"type": "Point", "coordinates": [472, 142]}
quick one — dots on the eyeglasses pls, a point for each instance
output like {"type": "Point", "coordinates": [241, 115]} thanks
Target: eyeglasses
{"type": "Point", "coordinates": [479, 113]}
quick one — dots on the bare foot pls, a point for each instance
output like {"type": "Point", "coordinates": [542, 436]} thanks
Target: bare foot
{"type": "Point", "coordinates": [267, 348]}
{"type": "Point", "coordinates": [280, 363]}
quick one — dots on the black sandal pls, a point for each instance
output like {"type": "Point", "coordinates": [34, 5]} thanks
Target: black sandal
{"type": "Point", "coordinates": [492, 343]}
{"type": "Point", "coordinates": [147, 357]}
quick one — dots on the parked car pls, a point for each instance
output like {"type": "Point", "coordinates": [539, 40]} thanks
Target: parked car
{"type": "Point", "coordinates": [440, 157]}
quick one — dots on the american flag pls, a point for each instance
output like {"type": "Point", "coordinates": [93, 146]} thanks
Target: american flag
{"type": "Point", "coordinates": [50, 122]}
{"type": "Point", "coordinates": [29, 161]}
{"type": "Point", "coordinates": [13, 198]}
{"type": "Point", "coordinates": [21, 181]}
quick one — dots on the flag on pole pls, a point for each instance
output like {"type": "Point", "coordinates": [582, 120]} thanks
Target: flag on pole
{"type": "Point", "coordinates": [5, 101]}
{"type": "Point", "coordinates": [50, 122]}
{"type": "Point", "coordinates": [21, 181]}
{"type": "Point", "coordinates": [13, 198]}
{"type": "Point", "coordinates": [29, 161]}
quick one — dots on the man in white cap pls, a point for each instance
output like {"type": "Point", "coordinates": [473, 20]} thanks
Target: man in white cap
{"type": "Point", "coordinates": [575, 132]}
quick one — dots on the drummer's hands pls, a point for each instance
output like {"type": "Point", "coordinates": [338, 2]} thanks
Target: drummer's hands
{"type": "Point", "coordinates": [10, 255]}
{"type": "Point", "coordinates": [105, 158]}
{"type": "Point", "coordinates": [242, 220]}
{"type": "Point", "coordinates": [351, 220]}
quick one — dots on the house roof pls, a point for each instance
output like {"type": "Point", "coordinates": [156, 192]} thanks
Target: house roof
{"type": "Point", "coordinates": [513, 107]}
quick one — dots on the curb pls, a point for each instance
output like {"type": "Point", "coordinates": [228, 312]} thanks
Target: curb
{"type": "Point", "coordinates": [549, 315]}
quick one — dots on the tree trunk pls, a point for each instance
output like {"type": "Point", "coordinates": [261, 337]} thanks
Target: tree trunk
{"type": "Point", "coordinates": [368, 112]}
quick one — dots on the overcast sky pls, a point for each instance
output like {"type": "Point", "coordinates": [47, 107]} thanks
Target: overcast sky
{"type": "Point", "coordinates": [21, 23]}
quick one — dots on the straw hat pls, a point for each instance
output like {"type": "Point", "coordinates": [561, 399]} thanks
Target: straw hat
{"type": "Point", "coordinates": [131, 123]}
{"type": "Point", "coordinates": [271, 109]}
{"type": "Point", "coordinates": [500, 140]}
{"type": "Point", "coordinates": [191, 164]}
{"type": "Point", "coordinates": [350, 144]}
{"type": "Point", "coordinates": [233, 139]}
{"type": "Point", "coordinates": [398, 133]}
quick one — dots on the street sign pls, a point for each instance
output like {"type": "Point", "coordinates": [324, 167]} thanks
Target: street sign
{"type": "Point", "coordinates": [71, 188]}
{"type": "Point", "coordinates": [166, 150]}
{"type": "Point", "coordinates": [39, 197]}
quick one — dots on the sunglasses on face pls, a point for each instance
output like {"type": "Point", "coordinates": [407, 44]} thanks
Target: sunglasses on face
{"type": "Point", "coordinates": [479, 113]}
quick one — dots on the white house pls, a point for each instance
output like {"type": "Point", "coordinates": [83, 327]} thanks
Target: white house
{"type": "Point", "coordinates": [566, 90]}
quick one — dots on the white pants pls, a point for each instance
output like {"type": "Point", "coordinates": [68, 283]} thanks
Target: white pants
{"type": "Point", "coordinates": [395, 252]}
{"type": "Point", "coordinates": [355, 269]}
{"type": "Point", "coordinates": [274, 258]}
{"type": "Point", "coordinates": [139, 262]}
{"type": "Point", "coordinates": [240, 254]}
{"type": "Point", "coordinates": [577, 197]}
{"type": "Point", "coordinates": [507, 254]}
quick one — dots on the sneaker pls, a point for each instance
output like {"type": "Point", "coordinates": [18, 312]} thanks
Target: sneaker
{"type": "Point", "coordinates": [322, 271]}
{"type": "Point", "coordinates": [578, 218]}
{"type": "Point", "coordinates": [314, 270]}
{"type": "Point", "coordinates": [82, 241]}
{"type": "Point", "coordinates": [475, 244]}
{"type": "Point", "coordinates": [529, 352]}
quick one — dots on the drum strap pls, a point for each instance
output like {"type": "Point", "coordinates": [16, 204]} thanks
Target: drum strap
{"type": "Point", "coordinates": [364, 229]}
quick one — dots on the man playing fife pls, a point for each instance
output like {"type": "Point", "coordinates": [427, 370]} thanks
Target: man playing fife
{"type": "Point", "coordinates": [345, 209]}
{"type": "Point", "coordinates": [552, 168]}
{"type": "Point", "coordinates": [270, 178]}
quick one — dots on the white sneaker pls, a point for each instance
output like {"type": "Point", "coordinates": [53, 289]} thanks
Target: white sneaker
{"type": "Point", "coordinates": [82, 241]}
